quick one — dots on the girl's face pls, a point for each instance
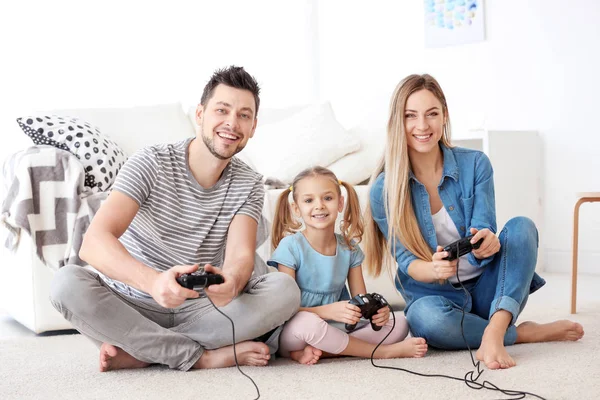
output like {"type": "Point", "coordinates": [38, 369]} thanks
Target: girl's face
{"type": "Point", "coordinates": [423, 121]}
{"type": "Point", "coordinates": [317, 202]}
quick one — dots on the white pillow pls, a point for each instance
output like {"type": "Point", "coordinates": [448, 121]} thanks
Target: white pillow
{"type": "Point", "coordinates": [310, 137]}
{"type": "Point", "coordinates": [136, 127]}
{"type": "Point", "coordinates": [357, 167]}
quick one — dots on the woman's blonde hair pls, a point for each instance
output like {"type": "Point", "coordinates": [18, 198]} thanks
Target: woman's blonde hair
{"type": "Point", "coordinates": [285, 224]}
{"type": "Point", "coordinates": [402, 222]}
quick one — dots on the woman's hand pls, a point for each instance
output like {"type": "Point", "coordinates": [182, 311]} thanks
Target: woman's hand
{"type": "Point", "coordinates": [442, 269]}
{"type": "Point", "coordinates": [382, 316]}
{"type": "Point", "coordinates": [342, 311]}
{"type": "Point", "coordinates": [490, 245]}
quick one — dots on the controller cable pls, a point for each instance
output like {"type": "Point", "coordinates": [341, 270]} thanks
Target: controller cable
{"type": "Point", "coordinates": [469, 379]}
{"type": "Point", "coordinates": [234, 353]}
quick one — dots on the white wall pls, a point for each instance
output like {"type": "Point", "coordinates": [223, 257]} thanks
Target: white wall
{"type": "Point", "coordinates": [73, 54]}
{"type": "Point", "coordinates": [537, 70]}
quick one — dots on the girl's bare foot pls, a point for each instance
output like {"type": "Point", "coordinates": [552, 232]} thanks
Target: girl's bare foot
{"type": "Point", "coordinates": [531, 332]}
{"type": "Point", "coordinates": [248, 353]}
{"type": "Point", "coordinates": [112, 357]}
{"type": "Point", "coordinates": [308, 356]}
{"type": "Point", "coordinates": [492, 351]}
{"type": "Point", "coordinates": [411, 347]}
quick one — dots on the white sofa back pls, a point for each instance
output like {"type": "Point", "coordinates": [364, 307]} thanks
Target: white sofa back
{"type": "Point", "coordinates": [136, 127]}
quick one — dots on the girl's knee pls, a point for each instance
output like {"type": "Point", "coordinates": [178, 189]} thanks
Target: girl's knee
{"type": "Point", "coordinates": [305, 324]}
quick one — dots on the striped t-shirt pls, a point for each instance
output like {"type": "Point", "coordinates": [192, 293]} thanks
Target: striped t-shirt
{"type": "Point", "coordinates": [180, 222]}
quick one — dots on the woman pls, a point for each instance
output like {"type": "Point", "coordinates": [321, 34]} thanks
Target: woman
{"type": "Point", "coordinates": [426, 194]}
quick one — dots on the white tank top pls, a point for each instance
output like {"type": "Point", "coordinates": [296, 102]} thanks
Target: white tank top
{"type": "Point", "coordinates": [446, 233]}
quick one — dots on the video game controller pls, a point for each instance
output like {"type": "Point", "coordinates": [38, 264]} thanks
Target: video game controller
{"type": "Point", "coordinates": [199, 280]}
{"type": "Point", "coordinates": [464, 247]}
{"type": "Point", "coordinates": [369, 304]}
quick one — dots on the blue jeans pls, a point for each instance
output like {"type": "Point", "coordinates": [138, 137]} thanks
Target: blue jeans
{"type": "Point", "coordinates": [505, 284]}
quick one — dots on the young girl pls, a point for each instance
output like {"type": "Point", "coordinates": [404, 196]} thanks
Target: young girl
{"type": "Point", "coordinates": [426, 194]}
{"type": "Point", "coordinates": [321, 260]}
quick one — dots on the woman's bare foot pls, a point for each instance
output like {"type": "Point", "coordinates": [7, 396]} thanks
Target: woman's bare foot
{"type": "Point", "coordinates": [308, 356]}
{"type": "Point", "coordinates": [248, 353]}
{"type": "Point", "coordinates": [531, 332]}
{"type": "Point", "coordinates": [411, 347]}
{"type": "Point", "coordinates": [492, 351]}
{"type": "Point", "coordinates": [112, 357]}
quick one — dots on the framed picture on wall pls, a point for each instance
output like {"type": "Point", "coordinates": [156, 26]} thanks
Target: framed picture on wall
{"type": "Point", "coordinates": [452, 22]}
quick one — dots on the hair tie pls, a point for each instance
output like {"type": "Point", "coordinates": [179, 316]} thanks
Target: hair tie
{"type": "Point", "coordinates": [291, 188]}
{"type": "Point", "coordinates": [340, 181]}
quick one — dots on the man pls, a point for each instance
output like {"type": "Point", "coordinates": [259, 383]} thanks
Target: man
{"type": "Point", "coordinates": [172, 208]}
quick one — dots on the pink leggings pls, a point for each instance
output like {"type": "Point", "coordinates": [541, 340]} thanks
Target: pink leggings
{"type": "Point", "coordinates": [308, 328]}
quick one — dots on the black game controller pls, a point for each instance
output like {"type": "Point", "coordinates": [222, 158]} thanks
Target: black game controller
{"type": "Point", "coordinates": [199, 280]}
{"type": "Point", "coordinates": [464, 246]}
{"type": "Point", "coordinates": [369, 304]}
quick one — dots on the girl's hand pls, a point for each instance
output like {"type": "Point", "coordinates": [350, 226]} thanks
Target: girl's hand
{"type": "Point", "coordinates": [490, 245]}
{"type": "Point", "coordinates": [382, 316]}
{"type": "Point", "coordinates": [442, 269]}
{"type": "Point", "coordinates": [342, 311]}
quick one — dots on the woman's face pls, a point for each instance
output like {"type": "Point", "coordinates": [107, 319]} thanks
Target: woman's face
{"type": "Point", "coordinates": [423, 121]}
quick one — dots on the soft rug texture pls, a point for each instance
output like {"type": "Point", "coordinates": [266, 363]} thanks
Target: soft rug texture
{"type": "Point", "coordinates": [66, 367]}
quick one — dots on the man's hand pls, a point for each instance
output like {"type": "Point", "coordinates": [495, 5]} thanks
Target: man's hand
{"type": "Point", "coordinates": [382, 316]}
{"type": "Point", "coordinates": [167, 292]}
{"type": "Point", "coordinates": [490, 245]}
{"type": "Point", "coordinates": [342, 311]}
{"type": "Point", "coordinates": [223, 293]}
{"type": "Point", "coordinates": [442, 269]}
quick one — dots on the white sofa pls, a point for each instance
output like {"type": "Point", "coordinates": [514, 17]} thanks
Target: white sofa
{"type": "Point", "coordinates": [25, 280]}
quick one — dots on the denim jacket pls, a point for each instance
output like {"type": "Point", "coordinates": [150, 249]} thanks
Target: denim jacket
{"type": "Point", "coordinates": [467, 192]}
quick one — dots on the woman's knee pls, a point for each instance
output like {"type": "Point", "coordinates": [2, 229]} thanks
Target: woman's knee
{"type": "Point", "coordinates": [429, 317]}
{"type": "Point", "coordinates": [520, 231]}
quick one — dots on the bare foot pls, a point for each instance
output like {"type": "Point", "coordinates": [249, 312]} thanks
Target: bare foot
{"type": "Point", "coordinates": [531, 332]}
{"type": "Point", "coordinates": [308, 356]}
{"type": "Point", "coordinates": [492, 351]}
{"type": "Point", "coordinates": [112, 357]}
{"type": "Point", "coordinates": [411, 347]}
{"type": "Point", "coordinates": [248, 353]}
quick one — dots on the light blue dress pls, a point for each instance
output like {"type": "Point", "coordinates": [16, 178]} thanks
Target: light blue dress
{"type": "Point", "coordinates": [321, 279]}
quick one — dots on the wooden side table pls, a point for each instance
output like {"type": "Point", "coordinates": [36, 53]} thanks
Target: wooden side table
{"type": "Point", "coordinates": [588, 197]}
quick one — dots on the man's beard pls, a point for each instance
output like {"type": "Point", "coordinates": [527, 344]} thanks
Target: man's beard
{"type": "Point", "coordinates": [210, 145]}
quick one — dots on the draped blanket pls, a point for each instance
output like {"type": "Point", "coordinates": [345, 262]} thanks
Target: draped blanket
{"type": "Point", "coordinates": [45, 196]}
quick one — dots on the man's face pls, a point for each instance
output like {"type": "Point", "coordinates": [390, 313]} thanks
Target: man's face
{"type": "Point", "coordinates": [227, 121]}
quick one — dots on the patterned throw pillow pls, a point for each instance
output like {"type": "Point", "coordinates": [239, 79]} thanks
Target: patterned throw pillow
{"type": "Point", "coordinates": [101, 157]}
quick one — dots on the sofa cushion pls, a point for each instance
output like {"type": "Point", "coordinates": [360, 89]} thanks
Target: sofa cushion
{"type": "Point", "coordinates": [357, 167]}
{"type": "Point", "coordinates": [101, 157]}
{"type": "Point", "coordinates": [309, 137]}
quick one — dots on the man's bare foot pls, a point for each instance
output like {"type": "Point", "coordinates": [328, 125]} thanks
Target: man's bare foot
{"type": "Point", "coordinates": [411, 347]}
{"type": "Point", "coordinates": [492, 351]}
{"type": "Point", "coordinates": [248, 353]}
{"type": "Point", "coordinates": [112, 357]}
{"type": "Point", "coordinates": [308, 356]}
{"type": "Point", "coordinates": [531, 332]}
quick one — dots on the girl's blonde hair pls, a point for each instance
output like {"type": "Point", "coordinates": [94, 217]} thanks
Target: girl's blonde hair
{"type": "Point", "coordinates": [285, 224]}
{"type": "Point", "coordinates": [402, 222]}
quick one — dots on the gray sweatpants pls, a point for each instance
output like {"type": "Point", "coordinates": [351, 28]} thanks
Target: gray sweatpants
{"type": "Point", "coordinates": [178, 336]}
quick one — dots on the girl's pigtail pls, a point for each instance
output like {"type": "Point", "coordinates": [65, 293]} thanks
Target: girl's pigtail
{"type": "Point", "coordinates": [352, 225]}
{"type": "Point", "coordinates": [283, 221]}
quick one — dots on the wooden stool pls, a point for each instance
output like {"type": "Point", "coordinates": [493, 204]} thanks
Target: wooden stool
{"type": "Point", "coordinates": [588, 197]}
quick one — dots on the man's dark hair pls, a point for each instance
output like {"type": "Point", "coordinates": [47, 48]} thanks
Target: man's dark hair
{"type": "Point", "coordinates": [235, 77]}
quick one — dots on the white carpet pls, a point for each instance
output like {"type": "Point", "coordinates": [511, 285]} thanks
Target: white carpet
{"type": "Point", "coordinates": [65, 367]}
